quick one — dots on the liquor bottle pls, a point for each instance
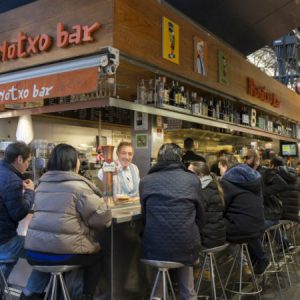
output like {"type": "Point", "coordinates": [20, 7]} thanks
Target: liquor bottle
{"type": "Point", "coordinates": [141, 92]}
{"type": "Point", "coordinates": [166, 92]}
{"type": "Point", "coordinates": [217, 109]}
{"type": "Point", "coordinates": [182, 103]}
{"type": "Point", "coordinates": [177, 95]}
{"type": "Point", "coordinates": [151, 92]}
{"type": "Point", "coordinates": [195, 104]}
{"type": "Point", "coordinates": [211, 109]}
{"type": "Point", "coordinates": [205, 107]}
{"type": "Point", "coordinates": [160, 92]}
{"type": "Point", "coordinates": [172, 94]}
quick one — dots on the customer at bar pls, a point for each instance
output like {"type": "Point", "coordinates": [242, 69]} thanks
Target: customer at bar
{"type": "Point", "coordinates": [69, 211]}
{"type": "Point", "coordinates": [190, 155]}
{"type": "Point", "coordinates": [213, 233]}
{"type": "Point", "coordinates": [126, 178]}
{"type": "Point", "coordinates": [16, 200]}
{"type": "Point", "coordinates": [173, 215]}
{"type": "Point", "coordinates": [244, 212]}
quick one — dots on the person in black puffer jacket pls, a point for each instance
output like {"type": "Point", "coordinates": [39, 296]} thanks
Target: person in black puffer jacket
{"type": "Point", "coordinates": [290, 196]}
{"type": "Point", "coordinates": [273, 184]}
{"type": "Point", "coordinates": [244, 212]}
{"type": "Point", "coordinates": [173, 215]}
{"type": "Point", "coordinates": [214, 232]}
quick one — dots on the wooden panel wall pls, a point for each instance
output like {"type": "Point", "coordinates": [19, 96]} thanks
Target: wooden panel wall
{"type": "Point", "coordinates": [42, 17]}
{"type": "Point", "coordinates": [138, 33]}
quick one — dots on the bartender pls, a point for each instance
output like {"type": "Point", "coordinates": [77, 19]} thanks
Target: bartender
{"type": "Point", "coordinates": [126, 178]}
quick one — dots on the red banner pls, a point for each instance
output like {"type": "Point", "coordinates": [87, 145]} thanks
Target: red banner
{"type": "Point", "coordinates": [57, 85]}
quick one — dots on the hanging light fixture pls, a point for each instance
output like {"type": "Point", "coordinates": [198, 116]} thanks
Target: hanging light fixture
{"type": "Point", "coordinates": [24, 131]}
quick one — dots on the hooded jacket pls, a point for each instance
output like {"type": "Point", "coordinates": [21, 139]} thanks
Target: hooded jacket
{"type": "Point", "coordinates": [172, 211]}
{"type": "Point", "coordinates": [244, 214]}
{"type": "Point", "coordinates": [15, 203]}
{"type": "Point", "coordinates": [67, 213]}
{"type": "Point", "coordinates": [213, 232]}
{"type": "Point", "coordinates": [290, 196]}
{"type": "Point", "coordinates": [273, 184]}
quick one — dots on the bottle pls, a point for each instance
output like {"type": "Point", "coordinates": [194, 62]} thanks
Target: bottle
{"type": "Point", "coordinates": [177, 95]}
{"type": "Point", "coordinates": [195, 104]}
{"type": "Point", "coordinates": [211, 110]}
{"type": "Point", "coordinates": [172, 94]}
{"type": "Point", "coordinates": [182, 103]}
{"type": "Point", "coordinates": [141, 92]}
{"type": "Point", "coordinates": [160, 93]}
{"type": "Point", "coordinates": [166, 97]}
{"type": "Point", "coordinates": [150, 94]}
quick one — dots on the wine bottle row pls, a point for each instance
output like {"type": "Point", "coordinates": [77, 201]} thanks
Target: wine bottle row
{"type": "Point", "coordinates": [172, 95]}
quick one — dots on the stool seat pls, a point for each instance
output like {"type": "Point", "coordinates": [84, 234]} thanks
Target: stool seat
{"type": "Point", "coordinates": [215, 249]}
{"type": "Point", "coordinates": [55, 269]}
{"type": "Point", "coordinates": [162, 264]}
{"type": "Point", "coordinates": [56, 276]}
{"type": "Point", "coordinates": [7, 261]}
{"type": "Point", "coordinates": [162, 271]}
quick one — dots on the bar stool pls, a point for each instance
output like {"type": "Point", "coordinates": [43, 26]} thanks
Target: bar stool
{"type": "Point", "coordinates": [4, 284]}
{"type": "Point", "coordinates": [163, 269]}
{"type": "Point", "coordinates": [238, 259]}
{"type": "Point", "coordinates": [210, 255]}
{"type": "Point", "coordinates": [56, 272]}
{"type": "Point", "coordinates": [269, 239]}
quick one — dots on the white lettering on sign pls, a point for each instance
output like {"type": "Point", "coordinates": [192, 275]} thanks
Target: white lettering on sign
{"type": "Point", "coordinates": [15, 94]}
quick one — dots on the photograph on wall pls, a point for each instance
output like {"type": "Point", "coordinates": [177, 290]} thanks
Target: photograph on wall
{"type": "Point", "coordinates": [170, 42]}
{"type": "Point", "coordinates": [200, 56]}
{"type": "Point", "coordinates": [224, 68]}
{"type": "Point", "coordinates": [141, 141]}
{"type": "Point", "coordinates": [140, 121]}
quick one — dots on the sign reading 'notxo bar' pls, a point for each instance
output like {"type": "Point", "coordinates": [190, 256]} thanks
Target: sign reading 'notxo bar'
{"type": "Point", "coordinates": [25, 46]}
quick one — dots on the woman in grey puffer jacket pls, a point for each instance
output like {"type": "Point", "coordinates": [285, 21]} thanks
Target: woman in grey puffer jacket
{"type": "Point", "coordinates": [68, 212]}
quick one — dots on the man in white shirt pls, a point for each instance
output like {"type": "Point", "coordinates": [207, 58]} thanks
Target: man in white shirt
{"type": "Point", "coordinates": [126, 178]}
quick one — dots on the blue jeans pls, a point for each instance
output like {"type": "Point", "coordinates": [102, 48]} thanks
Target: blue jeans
{"type": "Point", "coordinates": [13, 249]}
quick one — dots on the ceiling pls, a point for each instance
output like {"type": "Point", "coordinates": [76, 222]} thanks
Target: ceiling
{"type": "Point", "coordinates": [247, 25]}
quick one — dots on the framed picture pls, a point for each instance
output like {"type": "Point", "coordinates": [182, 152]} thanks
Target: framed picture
{"type": "Point", "coordinates": [170, 40]}
{"type": "Point", "coordinates": [200, 56]}
{"type": "Point", "coordinates": [141, 141]}
{"type": "Point", "coordinates": [140, 121]}
{"type": "Point", "coordinates": [224, 68]}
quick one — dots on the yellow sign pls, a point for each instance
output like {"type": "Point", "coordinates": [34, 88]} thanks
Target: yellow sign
{"type": "Point", "coordinates": [170, 41]}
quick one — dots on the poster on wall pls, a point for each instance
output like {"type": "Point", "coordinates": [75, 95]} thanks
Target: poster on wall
{"type": "Point", "coordinates": [141, 141]}
{"type": "Point", "coordinates": [224, 68]}
{"type": "Point", "coordinates": [200, 56]}
{"type": "Point", "coordinates": [170, 42]}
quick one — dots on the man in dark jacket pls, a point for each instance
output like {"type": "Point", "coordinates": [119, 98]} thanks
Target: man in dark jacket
{"type": "Point", "coordinates": [173, 215]}
{"type": "Point", "coordinates": [16, 199]}
{"type": "Point", "coordinates": [244, 212]}
{"type": "Point", "coordinates": [190, 155]}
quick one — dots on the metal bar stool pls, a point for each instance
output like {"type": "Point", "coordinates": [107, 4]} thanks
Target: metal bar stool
{"type": "Point", "coordinates": [4, 284]}
{"type": "Point", "coordinates": [163, 269]}
{"type": "Point", "coordinates": [210, 255]}
{"type": "Point", "coordinates": [269, 239]}
{"type": "Point", "coordinates": [238, 260]}
{"type": "Point", "coordinates": [56, 273]}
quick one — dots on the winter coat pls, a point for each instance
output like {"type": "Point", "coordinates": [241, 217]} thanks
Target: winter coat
{"type": "Point", "coordinates": [273, 184]}
{"type": "Point", "coordinates": [15, 203]}
{"type": "Point", "coordinates": [290, 196]}
{"type": "Point", "coordinates": [173, 214]}
{"type": "Point", "coordinates": [67, 213]}
{"type": "Point", "coordinates": [213, 232]}
{"type": "Point", "coordinates": [244, 214]}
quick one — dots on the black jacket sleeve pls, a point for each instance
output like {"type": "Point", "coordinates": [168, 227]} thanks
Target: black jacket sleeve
{"type": "Point", "coordinates": [17, 202]}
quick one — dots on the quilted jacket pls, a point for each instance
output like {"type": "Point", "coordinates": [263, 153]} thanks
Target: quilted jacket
{"type": "Point", "coordinates": [173, 213]}
{"type": "Point", "coordinates": [15, 203]}
{"type": "Point", "coordinates": [67, 213]}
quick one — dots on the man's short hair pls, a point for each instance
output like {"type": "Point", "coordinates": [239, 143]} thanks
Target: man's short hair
{"type": "Point", "coordinates": [188, 143]}
{"type": "Point", "coordinates": [14, 150]}
{"type": "Point", "coordinates": [277, 162]}
{"type": "Point", "coordinates": [169, 152]}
